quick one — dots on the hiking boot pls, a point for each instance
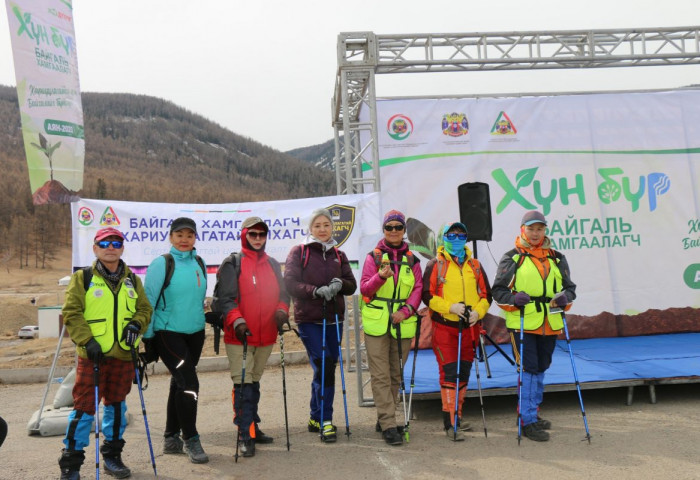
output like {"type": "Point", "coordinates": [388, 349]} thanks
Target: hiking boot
{"type": "Point", "coordinates": [248, 447]}
{"type": "Point", "coordinates": [459, 437]}
{"type": "Point", "coordinates": [329, 433]}
{"type": "Point", "coordinates": [69, 462]}
{"type": "Point", "coordinates": [378, 428]}
{"type": "Point", "coordinates": [392, 436]}
{"type": "Point", "coordinates": [193, 448]}
{"type": "Point", "coordinates": [314, 425]}
{"type": "Point", "coordinates": [533, 433]}
{"type": "Point", "coordinates": [115, 467]}
{"type": "Point", "coordinates": [543, 424]}
{"type": "Point", "coordinates": [463, 426]}
{"type": "Point", "coordinates": [260, 436]}
{"type": "Point", "coordinates": [172, 445]}
{"type": "Point", "coordinates": [68, 474]}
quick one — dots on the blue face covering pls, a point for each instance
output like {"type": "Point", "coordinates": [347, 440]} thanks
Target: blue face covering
{"type": "Point", "coordinates": [454, 247]}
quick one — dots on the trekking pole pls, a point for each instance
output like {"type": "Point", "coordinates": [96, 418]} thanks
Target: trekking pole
{"type": "Point", "coordinates": [475, 344]}
{"type": "Point", "coordinates": [134, 358]}
{"type": "Point", "coordinates": [245, 356]}
{"type": "Point", "coordinates": [520, 376]}
{"type": "Point", "coordinates": [402, 385]}
{"type": "Point", "coordinates": [342, 376]}
{"type": "Point", "coordinates": [413, 378]}
{"type": "Point", "coordinates": [96, 381]}
{"type": "Point", "coordinates": [460, 324]}
{"type": "Point", "coordinates": [323, 370]}
{"type": "Point", "coordinates": [284, 388]}
{"type": "Point", "coordinates": [578, 385]}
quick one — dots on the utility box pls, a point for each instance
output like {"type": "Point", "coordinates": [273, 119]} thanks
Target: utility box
{"type": "Point", "coordinates": [50, 322]}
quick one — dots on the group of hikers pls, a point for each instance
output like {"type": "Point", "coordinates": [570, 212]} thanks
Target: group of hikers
{"type": "Point", "coordinates": [108, 312]}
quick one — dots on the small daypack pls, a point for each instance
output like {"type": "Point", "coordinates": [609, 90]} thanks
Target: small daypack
{"type": "Point", "coordinates": [169, 269]}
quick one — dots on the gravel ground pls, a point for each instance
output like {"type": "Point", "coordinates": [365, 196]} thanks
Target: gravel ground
{"type": "Point", "coordinates": [639, 441]}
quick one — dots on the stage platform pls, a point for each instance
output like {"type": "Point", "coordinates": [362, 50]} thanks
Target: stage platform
{"type": "Point", "coordinates": [600, 363]}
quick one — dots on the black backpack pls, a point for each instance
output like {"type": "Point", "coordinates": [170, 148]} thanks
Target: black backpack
{"type": "Point", "coordinates": [169, 269]}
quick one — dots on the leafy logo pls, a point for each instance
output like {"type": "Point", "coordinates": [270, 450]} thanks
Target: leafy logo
{"type": "Point", "coordinates": [455, 124]}
{"type": "Point", "coordinates": [85, 216]}
{"type": "Point", "coordinates": [503, 125]}
{"type": "Point", "coordinates": [610, 190]}
{"type": "Point", "coordinates": [399, 127]}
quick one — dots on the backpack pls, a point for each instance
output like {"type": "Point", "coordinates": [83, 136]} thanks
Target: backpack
{"type": "Point", "coordinates": [87, 278]}
{"type": "Point", "coordinates": [304, 256]}
{"type": "Point", "coordinates": [169, 269]}
{"type": "Point", "coordinates": [439, 272]}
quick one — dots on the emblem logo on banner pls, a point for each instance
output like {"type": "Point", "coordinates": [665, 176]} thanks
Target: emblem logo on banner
{"type": "Point", "coordinates": [85, 216]}
{"type": "Point", "coordinates": [399, 127]}
{"type": "Point", "coordinates": [455, 124]}
{"type": "Point", "coordinates": [343, 222]}
{"type": "Point", "coordinates": [503, 125]}
{"type": "Point", "coordinates": [109, 218]}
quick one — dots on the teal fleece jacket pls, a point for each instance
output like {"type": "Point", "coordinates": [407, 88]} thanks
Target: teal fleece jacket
{"type": "Point", "coordinates": [182, 308]}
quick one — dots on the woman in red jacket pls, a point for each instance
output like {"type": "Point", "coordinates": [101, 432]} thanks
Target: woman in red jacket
{"type": "Point", "coordinates": [317, 276]}
{"type": "Point", "coordinates": [255, 306]}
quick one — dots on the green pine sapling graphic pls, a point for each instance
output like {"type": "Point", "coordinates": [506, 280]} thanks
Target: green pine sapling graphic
{"type": "Point", "coordinates": [47, 149]}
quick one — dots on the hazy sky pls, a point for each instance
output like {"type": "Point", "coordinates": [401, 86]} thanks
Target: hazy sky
{"type": "Point", "coordinates": [266, 69]}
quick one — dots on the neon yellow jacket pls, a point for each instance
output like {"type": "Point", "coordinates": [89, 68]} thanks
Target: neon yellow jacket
{"type": "Point", "coordinates": [102, 313]}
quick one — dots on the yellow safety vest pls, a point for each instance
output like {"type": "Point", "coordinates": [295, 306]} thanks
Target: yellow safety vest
{"type": "Point", "coordinates": [107, 314]}
{"type": "Point", "coordinates": [388, 299]}
{"type": "Point", "coordinates": [529, 280]}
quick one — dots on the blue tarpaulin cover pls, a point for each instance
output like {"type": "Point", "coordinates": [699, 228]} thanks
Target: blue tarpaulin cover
{"type": "Point", "coordinates": [596, 360]}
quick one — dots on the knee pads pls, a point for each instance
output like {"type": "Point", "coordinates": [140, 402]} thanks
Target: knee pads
{"type": "Point", "coordinates": [450, 370]}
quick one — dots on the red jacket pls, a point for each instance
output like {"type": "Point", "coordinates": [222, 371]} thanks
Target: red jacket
{"type": "Point", "coordinates": [259, 295]}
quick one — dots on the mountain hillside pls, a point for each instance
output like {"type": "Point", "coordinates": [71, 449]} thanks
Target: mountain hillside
{"type": "Point", "coordinates": [320, 155]}
{"type": "Point", "coordinates": [141, 148]}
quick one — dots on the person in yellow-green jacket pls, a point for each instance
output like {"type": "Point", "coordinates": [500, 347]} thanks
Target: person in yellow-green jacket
{"type": "Point", "coordinates": [391, 286]}
{"type": "Point", "coordinates": [532, 280]}
{"type": "Point", "coordinates": [104, 312]}
{"type": "Point", "coordinates": [454, 286]}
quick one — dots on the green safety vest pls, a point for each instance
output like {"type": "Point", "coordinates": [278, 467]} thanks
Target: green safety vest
{"type": "Point", "coordinates": [389, 298]}
{"type": "Point", "coordinates": [529, 280]}
{"type": "Point", "coordinates": [101, 308]}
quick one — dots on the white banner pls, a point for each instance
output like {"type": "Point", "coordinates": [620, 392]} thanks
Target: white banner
{"type": "Point", "coordinates": [48, 90]}
{"type": "Point", "coordinates": [616, 175]}
{"type": "Point", "coordinates": [146, 226]}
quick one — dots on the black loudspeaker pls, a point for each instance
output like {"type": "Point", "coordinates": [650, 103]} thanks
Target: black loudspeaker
{"type": "Point", "coordinates": [475, 210]}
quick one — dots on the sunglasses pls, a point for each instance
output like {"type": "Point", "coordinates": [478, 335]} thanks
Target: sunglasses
{"type": "Point", "coordinates": [106, 243]}
{"type": "Point", "coordinates": [391, 228]}
{"type": "Point", "coordinates": [257, 234]}
{"type": "Point", "coordinates": [454, 236]}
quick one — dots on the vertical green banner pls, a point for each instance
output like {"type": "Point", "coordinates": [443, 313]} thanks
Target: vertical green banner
{"type": "Point", "coordinates": [48, 91]}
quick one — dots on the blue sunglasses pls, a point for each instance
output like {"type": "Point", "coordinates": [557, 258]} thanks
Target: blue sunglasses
{"type": "Point", "coordinates": [454, 236]}
{"type": "Point", "coordinates": [106, 243]}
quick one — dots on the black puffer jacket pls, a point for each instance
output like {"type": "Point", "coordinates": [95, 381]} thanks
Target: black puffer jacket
{"type": "Point", "coordinates": [321, 267]}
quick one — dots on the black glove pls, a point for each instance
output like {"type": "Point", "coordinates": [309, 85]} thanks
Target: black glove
{"type": "Point", "coordinates": [151, 353]}
{"type": "Point", "coordinates": [94, 351]}
{"type": "Point", "coordinates": [131, 333]}
{"type": "Point", "coordinates": [282, 319]}
{"type": "Point", "coordinates": [214, 319]}
{"type": "Point", "coordinates": [242, 332]}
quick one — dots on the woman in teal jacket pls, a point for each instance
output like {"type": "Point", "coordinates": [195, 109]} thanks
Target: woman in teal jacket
{"type": "Point", "coordinates": [176, 333]}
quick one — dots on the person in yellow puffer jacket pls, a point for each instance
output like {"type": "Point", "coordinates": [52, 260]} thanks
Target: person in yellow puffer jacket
{"type": "Point", "coordinates": [454, 286]}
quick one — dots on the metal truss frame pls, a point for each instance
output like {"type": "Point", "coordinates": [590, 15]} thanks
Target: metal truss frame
{"type": "Point", "coordinates": [363, 55]}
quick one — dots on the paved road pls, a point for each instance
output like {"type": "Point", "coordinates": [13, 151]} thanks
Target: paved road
{"type": "Point", "coordinates": [640, 441]}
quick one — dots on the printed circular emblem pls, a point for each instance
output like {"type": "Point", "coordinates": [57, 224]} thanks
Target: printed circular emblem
{"type": "Point", "coordinates": [98, 293]}
{"type": "Point", "coordinates": [132, 294]}
{"type": "Point", "coordinates": [399, 127]}
{"type": "Point", "coordinates": [85, 216]}
{"type": "Point", "coordinates": [128, 283]}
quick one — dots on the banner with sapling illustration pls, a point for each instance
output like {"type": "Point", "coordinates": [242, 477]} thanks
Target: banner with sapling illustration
{"type": "Point", "coordinates": [616, 175]}
{"type": "Point", "coordinates": [48, 90]}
